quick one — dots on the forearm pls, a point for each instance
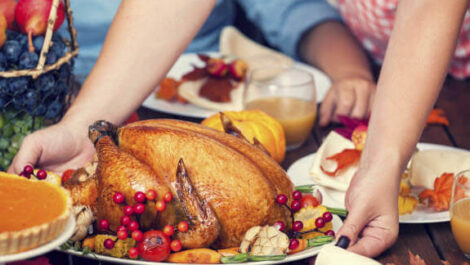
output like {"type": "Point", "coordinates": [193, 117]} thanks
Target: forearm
{"type": "Point", "coordinates": [415, 65]}
{"type": "Point", "coordinates": [331, 47]}
{"type": "Point", "coordinates": [145, 39]}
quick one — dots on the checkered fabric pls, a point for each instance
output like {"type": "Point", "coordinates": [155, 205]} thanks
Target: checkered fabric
{"type": "Point", "coordinates": [372, 22]}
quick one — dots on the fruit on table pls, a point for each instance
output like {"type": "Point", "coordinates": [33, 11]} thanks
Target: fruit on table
{"type": "Point", "coordinates": [155, 246]}
{"type": "Point", "coordinates": [221, 199]}
{"type": "Point", "coordinates": [308, 200]}
{"type": "Point", "coordinates": [3, 30]}
{"type": "Point", "coordinates": [255, 124]}
{"type": "Point", "coordinates": [264, 241]}
{"type": "Point", "coordinates": [32, 16]}
{"type": "Point", "coordinates": [197, 255]}
{"type": "Point", "coordinates": [7, 9]}
{"type": "Point", "coordinates": [45, 206]}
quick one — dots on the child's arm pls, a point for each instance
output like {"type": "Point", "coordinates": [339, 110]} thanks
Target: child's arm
{"type": "Point", "coordinates": [331, 47]}
{"type": "Point", "coordinates": [416, 62]}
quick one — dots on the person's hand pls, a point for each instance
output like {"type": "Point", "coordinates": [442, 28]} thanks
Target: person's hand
{"type": "Point", "coordinates": [372, 221]}
{"type": "Point", "coordinates": [350, 96]}
{"type": "Point", "coordinates": [56, 148]}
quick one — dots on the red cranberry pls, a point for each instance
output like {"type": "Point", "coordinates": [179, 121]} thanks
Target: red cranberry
{"type": "Point", "coordinates": [279, 225]}
{"type": "Point", "coordinates": [125, 220]}
{"type": "Point", "coordinates": [41, 174]}
{"type": "Point", "coordinates": [118, 197]}
{"type": "Point", "coordinates": [137, 235]}
{"type": "Point", "coordinates": [122, 227]}
{"type": "Point", "coordinates": [293, 244]}
{"type": "Point", "coordinates": [128, 210]}
{"type": "Point", "coordinates": [297, 226]}
{"type": "Point", "coordinates": [151, 195]}
{"type": "Point", "coordinates": [122, 234]}
{"type": "Point", "coordinates": [168, 197]}
{"type": "Point", "coordinates": [140, 196]}
{"type": "Point", "coordinates": [327, 216]}
{"type": "Point", "coordinates": [330, 233]}
{"type": "Point", "coordinates": [160, 206]}
{"type": "Point", "coordinates": [103, 224]}
{"type": "Point", "coordinates": [28, 170]}
{"type": "Point", "coordinates": [133, 225]}
{"type": "Point", "coordinates": [320, 222]}
{"type": "Point", "coordinates": [297, 195]}
{"type": "Point", "coordinates": [139, 208]}
{"type": "Point", "coordinates": [133, 253]}
{"type": "Point", "coordinates": [295, 206]}
{"type": "Point", "coordinates": [281, 199]}
{"type": "Point", "coordinates": [108, 243]}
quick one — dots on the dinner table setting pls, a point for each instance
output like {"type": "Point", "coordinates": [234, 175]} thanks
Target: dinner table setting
{"type": "Point", "coordinates": [224, 162]}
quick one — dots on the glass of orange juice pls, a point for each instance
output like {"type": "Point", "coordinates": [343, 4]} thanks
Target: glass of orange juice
{"type": "Point", "coordinates": [286, 94]}
{"type": "Point", "coordinates": [460, 211]}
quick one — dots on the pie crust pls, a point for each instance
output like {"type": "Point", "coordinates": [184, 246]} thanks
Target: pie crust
{"type": "Point", "coordinates": [31, 237]}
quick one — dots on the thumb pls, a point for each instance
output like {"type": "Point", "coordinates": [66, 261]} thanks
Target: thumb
{"type": "Point", "coordinates": [29, 154]}
{"type": "Point", "coordinates": [352, 227]}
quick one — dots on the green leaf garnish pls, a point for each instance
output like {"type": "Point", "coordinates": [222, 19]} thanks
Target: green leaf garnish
{"type": "Point", "coordinates": [338, 211]}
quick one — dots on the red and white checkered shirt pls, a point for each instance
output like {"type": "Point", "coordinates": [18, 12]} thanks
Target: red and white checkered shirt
{"type": "Point", "coordinates": [372, 22]}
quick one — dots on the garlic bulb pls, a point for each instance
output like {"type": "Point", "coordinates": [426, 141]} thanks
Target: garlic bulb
{"type": "Point", "coordinates": [84, 222]}
{"type": "Point", "coordinates": [264, 241]}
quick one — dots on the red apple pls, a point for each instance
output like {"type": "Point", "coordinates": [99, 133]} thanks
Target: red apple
{"type": "Point", "coordinates": [216, 67]}
{"type": "Point", "coordinates": [3, 28]}
{"type": "Point", "coordinates": [238, 69]}
{"type": "Point", "coordinates": [7, 8]}
{"type": "Point", "coordinates": [32, 16]}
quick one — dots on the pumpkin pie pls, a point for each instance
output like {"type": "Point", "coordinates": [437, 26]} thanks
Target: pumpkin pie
{"type": "Point", "coordinates": [32, 212]}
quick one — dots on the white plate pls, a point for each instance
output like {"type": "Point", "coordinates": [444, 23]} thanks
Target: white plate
{"type": "Point", "coordinates": [184, 65]}
{"type": "Point", "coordinates": [337, 223]}
{"type": "Point", "coordinates": [64, 236]}
{"type": "Point", "coordinates": [299, 174]}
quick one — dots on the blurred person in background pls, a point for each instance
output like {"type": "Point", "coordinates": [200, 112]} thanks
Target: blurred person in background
{"type": "Point", "coordinates": [309, 31]}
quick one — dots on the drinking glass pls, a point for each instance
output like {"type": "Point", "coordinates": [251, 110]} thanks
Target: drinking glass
{"type": "Point", "coordinates": [460, 211]}
{"type": "Point", "coordinates": [286, 94]}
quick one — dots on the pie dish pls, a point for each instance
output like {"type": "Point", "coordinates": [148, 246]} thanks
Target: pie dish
{"type": "Point", "coordinates": [33, 213]}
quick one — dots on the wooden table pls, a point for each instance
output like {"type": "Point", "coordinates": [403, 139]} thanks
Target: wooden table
{"type": "Point", "coordinates": [433, 242]}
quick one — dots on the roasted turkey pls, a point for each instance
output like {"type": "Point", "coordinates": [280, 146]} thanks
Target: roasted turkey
{"type": "Point", "coordinates": [221, 184]}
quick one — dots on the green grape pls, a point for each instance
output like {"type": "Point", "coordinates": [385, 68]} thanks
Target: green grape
{"type": "Point", "coordinates": [8, 130]}
{"type": "Point", "coordinates": [9, 156]}
{"type": "Point", "coordinates": [4, 143]}
{"type": "Point", "coordinates": [4, 163]}
{"type": "Point", "coordinates": [2, 121]}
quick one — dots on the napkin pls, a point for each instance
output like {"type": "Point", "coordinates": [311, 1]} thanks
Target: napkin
{"type": "Point", "coordinates": [332, 255]}
{"type": "Point", "coordinates": [427, 165]}
{"type": "Point", "coordinates": [333, 144]}
{"type": "Point", "coordinates": [233, 43]}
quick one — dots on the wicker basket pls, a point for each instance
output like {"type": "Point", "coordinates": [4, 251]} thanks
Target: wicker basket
{"type": "Point", "coordinates": [15, 122]}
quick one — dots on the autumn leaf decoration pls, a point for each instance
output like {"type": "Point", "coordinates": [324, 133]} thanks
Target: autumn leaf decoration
{"type": "Point", "coordinates": [356, 131]}
{"type": "Point", "coordinates": [344, 159]}
{"type": "Point", "coordinates": [439, 198]}
{"type": "Point", "coordinates": [437, 116]}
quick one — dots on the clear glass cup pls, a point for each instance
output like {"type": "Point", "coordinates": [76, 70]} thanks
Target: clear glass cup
{"type": "Point", "coordinates": [288, 95]}
{"type": "Point", "coordinates": [460, 211]}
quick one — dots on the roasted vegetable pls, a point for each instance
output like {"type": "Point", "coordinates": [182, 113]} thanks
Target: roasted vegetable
{"type": "Point", "coordinates": [120, 249]}
{"type": "Point", "coordinates": [196, 255]}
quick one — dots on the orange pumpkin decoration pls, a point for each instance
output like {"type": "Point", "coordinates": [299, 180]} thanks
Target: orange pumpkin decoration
{"type": "Point", "coordinates": [255, 124]}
